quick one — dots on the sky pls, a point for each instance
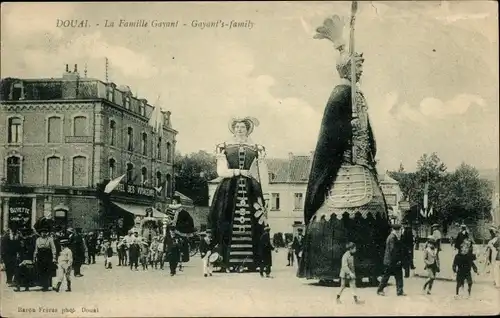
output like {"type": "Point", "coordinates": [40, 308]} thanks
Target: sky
{"type": "Point", "coordinates": [430, 74]}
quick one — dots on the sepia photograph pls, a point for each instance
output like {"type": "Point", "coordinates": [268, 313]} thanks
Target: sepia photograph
{"type": "Point", "coordinates": [249, 159]}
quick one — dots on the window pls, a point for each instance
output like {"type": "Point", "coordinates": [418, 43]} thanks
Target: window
{"type": "Point", "coordinates": [130, 170]}
{"type": "Point", "coordinates": [169, 152]}
{"type": "Point", "coordinates": [142, 108]}
{"type": "Point", "coordinates": [169, 186]}
{"type": "Point", "coordinates": [13, 170]}
{"type": "Point", "coordinates": [55, 130]}
{"type": "Point", "coordinates": [298, 203]}
{"type": "Point", "coordinates": [127, 102]}
{"type": "Point", "coordinates": [130, 138]}
{"type": "Point", "coordinates": [158, 148]}
{"type": "Point", "coordinates": [110, 94]}
{"type": "Point", "coordinates": [144, 144]}
{"type": "Point", "coordinates": [144, 175]}
{"type": "Point", "coordinates": [18, 91]}
{"type": "Point", "coordinates": [275, 201]}
{"type": "Point", "coordinates": [80, 126]}
{"type": "Point", "coordinates": [80, 171]}
{"type": "Point", "coordinates": [54, 171]}
{"type": "Point", "coordinates": [112, 132]}
{"type": "Point", "coordinates": [15, 134]}
{"type": "Point", "coordinates": [112, 168]}
{"type": "Point", "coordinates": [158, 179]}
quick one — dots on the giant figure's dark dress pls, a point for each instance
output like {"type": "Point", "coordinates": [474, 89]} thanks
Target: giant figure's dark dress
{"type": "Point", "coordinates": [235, 218]}
{"type": "Point", "coordinates": [344, 201]}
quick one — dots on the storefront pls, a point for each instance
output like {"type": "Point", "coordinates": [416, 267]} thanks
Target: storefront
{"type": "Point", "coordinates": [126, 206]}
{"type": "Point", "coordinates": [21, 206]}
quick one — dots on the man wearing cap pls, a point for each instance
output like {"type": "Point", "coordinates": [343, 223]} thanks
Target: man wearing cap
{"type": "Point", "coordinates": [134, 251]}
{"type": "Point", "coordinates": [393, 261]}
{"type": "Point", "coordinates": [298, 242]}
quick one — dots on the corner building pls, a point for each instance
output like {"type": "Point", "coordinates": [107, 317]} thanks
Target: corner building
{"type": "Point", "coordinates": [63, 139]}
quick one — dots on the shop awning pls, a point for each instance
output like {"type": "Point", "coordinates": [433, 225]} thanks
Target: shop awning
{"type": "Point", "coordinates": [139, 210]}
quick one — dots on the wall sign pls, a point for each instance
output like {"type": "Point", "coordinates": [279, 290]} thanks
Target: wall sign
{"type": "Point", "coordinates": [20, 212]}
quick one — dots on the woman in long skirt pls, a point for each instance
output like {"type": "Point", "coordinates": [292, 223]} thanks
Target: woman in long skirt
{"type": "Point", "coordinates": [238, 214]}
{"type": "Point", "coordinates": [45, 258]}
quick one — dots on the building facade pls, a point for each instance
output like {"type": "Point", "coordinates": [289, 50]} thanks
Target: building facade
{"type": "Point", "coordinates": [63, 139]}
{"type": "Point", "coordinates": [288, 180]}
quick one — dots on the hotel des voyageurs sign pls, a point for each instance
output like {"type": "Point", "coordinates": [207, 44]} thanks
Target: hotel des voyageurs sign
{"type": "Point", "coordinates": [132, 189]}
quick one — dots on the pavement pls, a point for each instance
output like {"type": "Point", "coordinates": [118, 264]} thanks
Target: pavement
{"type": "Point", "coordinates": [120, 292]}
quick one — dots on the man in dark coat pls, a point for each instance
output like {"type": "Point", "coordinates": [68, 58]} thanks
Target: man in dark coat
{"type": "Point", "coordinates": [393, 261]}
{"type": "Point", "coordinates": [265, 252]}
{"type": "Point", "coordinates": [10, 248]}
{"type": "Point", "coordinates": [78, 248]}
{"type": "Point", "coordinates": [407, 243]}
{"type": "Point", "coordinates": [91, 247]}
{"type": "Point", "coordinates": [173, 253]}
{"type": "Point", "coordinates": [297, 245]}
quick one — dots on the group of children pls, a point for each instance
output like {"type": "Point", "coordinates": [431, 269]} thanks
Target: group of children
{"type": "Point", "coordinates": [463, 264]}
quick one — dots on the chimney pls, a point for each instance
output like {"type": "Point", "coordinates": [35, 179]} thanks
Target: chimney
{"type": "Point", "coordinates": [76, 68]}
{"type": "Point", "coordinates": [67, 68]}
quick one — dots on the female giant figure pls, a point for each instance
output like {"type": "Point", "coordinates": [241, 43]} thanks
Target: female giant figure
{"type": "Point", "coordinates": [344, 201]}
{"type": "Point", "coordinates": [237, 217]}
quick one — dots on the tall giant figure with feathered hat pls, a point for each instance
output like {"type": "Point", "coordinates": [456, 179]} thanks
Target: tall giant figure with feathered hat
{"type": "Point", "coordinates": [344, 202]}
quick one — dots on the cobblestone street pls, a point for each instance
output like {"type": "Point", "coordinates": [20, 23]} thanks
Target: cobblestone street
{"type": "Point", "coordinates": [121, 292]}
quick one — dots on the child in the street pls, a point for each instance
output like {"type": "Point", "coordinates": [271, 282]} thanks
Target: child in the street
{"type": "Point", "coordinates": [347, 273]}
{"type": "Point", "coordinates": [431, 261]}
{"type": "Point", "coordinates": [64, 262]}
{"type": "Point", "coordinates": [290, 254]}
{"type": "Point", "coordinates": [108, 254]}
{"type": "Point", "coordinates": [462, 266]}
{"type": "Point", "coordinates": [144, 256]}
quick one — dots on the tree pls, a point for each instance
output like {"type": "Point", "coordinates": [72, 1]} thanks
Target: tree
{"type": "Point", "coordinates": [193, 173]}
{"type": "Point", "coordinates": [458, 196]}
{"type": "Point", "coordinates": [470, 196]}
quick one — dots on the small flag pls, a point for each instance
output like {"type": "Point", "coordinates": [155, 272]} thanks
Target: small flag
{"type": "Point", "coordinates": [157, 121]}
{"type": "Point", "coordinates": [113, 184]}
{"type": "Point", "coordinates": [426, 195]}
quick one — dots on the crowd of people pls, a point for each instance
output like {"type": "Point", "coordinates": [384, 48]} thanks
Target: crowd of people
{"type": "Point", "coordinates": [37, 257]}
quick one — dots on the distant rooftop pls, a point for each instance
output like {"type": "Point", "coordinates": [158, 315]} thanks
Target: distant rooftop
{"type": "Point", "coordinates": [295, 169]}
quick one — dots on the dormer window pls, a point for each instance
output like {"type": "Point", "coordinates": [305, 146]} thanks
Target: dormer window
{"type": "Point", "coordinates": [17, 92]}
{"type": "Point", "coordinates": [110, 93]}
{"type": "Point", "coordinates": [142, 108]}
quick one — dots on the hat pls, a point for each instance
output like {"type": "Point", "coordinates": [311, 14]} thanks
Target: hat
{"type": "Point", "coordinates": [70, 229]}
{"type": "Point", "coordinates": [463, 226]}
{"type": "Point", "coordinates": [267, 228]}
{"type": "Point", "coordinates": [64, 242]}
{"type": "Point", "coordinates": [431, 238]}
{"type": "Point", "coordinates": [250, 122]}
{"type": "Point", "coordinates": [396, 226]}
{"type": "Point", "coordinates": [435, 225]}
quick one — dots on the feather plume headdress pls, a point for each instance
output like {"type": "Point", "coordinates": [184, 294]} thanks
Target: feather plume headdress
{"type": "Point", "coordinates": [333, 30]}
{"type": "Point", "coordinates": [250, 122]}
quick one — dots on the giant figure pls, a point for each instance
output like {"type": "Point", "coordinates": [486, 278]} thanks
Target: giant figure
{"type": "Point", "coordinates": [344, 202]}
{"type": "Point", "coordinates": [238, 214]}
